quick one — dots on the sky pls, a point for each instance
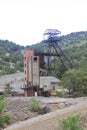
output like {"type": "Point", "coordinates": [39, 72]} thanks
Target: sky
{"type": "Point", "coordinates": [25, 21]}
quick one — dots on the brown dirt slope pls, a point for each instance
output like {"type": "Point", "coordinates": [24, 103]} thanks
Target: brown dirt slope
{"type": "Point", "coordinates": [50, 121]}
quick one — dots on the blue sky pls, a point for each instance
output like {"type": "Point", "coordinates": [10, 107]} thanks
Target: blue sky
{"type": "Point", "coordinates": [24, 21]}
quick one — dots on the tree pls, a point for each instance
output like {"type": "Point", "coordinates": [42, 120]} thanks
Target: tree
{"type": "Point", "coordinates": [8, 88]}
{"type": "Point", "coordinates": [75, 81]}
{"type": "Point", "coordinates": [4, 118]}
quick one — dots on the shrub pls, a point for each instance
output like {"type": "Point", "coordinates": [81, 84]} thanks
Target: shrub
{"type": "Point", "coordinates": [59, 93]}
{"type": "Point", "coordinates": [8, 88]}
{"type": "Point", "coordinates": [34, 105]}
{"type": "Point", "coordinates": [75, 81]}
{"type": "Point", "coordinates": [72, 122]}
{"type": "Point", "coordinates": [4, 118]}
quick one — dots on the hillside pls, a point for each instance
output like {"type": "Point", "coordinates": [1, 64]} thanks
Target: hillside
{"type": "Point", "coordinates": [74, 45]}
{"type": "Point", "coordinates": [11, 58]}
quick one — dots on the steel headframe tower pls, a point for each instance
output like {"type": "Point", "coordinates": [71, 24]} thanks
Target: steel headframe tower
{"type": "Point", "coordinates": [53, 38]}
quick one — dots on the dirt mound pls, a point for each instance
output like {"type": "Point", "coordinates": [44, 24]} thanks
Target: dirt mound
{"type": "Point", "coordinates": [19, 110]}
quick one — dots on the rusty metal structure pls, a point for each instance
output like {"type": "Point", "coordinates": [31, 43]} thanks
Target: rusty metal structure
{"type": "Point", "coordinates": [53, 37]}
{"type": "Point", "coordinates": [34, 63]}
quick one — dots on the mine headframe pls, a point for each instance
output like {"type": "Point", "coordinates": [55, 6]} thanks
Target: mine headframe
{"type": "Point", "coordinates": [53, 38]}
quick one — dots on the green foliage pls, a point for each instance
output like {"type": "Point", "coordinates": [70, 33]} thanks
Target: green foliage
{"type": "Point", "coordinates": [1, 97]}
{"type": "Point", "coordinates": [34, 105]}
{"type": "Point", "coordinates": [59, 93]}
{"type": "Point", "coordinates": [75, 81]}
{"type": "Point", "coordinates": [4, 118]}
{"type": "Point", "coordinates": [2, 105]}
{"type": "Point", "coordinates": [8, 88]}
{"type": "Point", "coordinates": [11, 58]}
{"type": "Point", "coordinates": [72, 122]}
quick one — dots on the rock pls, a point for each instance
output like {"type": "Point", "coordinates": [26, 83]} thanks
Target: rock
{"type": "Point", "coordinates": [44, 109]}
{"type": "Point", "coordinates": [61, 105]}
